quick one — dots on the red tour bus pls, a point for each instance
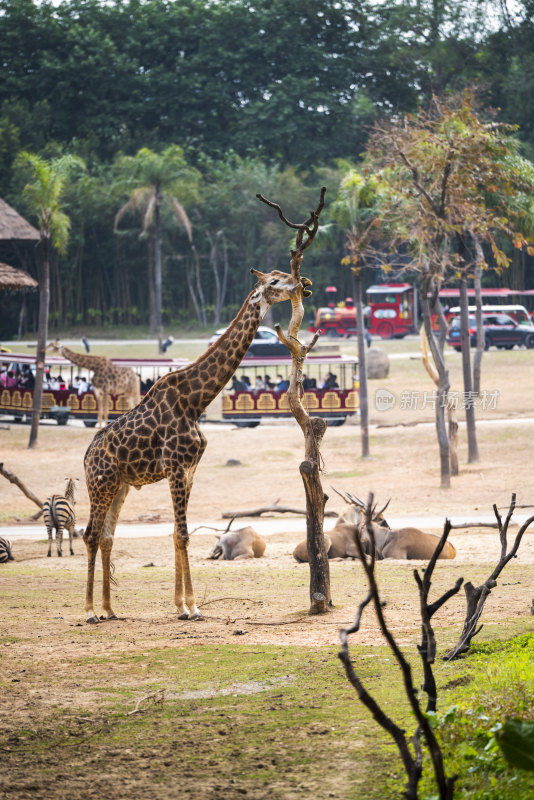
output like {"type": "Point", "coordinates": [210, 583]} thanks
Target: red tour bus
{"type": "Point", "coordinates": [393, 310]}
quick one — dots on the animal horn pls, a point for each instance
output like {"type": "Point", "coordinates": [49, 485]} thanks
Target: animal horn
{"type": "Point", "coordinates": [352, 500]}
{"type": "Point", "coordinates": [375, 516]}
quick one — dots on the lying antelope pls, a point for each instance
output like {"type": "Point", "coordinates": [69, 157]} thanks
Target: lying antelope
{"type": "Point", "coordinates": [244, 543]}
{"type": "Point", "coordinates": [340, 542]}
{"type": "Point", "coordinates": [405, 543]}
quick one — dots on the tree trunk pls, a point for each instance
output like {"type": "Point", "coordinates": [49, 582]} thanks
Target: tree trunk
{"type": "Point", "coordinates": [313, 429]}
{"type": "Point", "coordinates": [152, 305]}
{"type": "Point", "coordinates": [42, 335]}
{"type": "Point", "coordinates": [320, 597]}
{"type": "Point", "coordinates": [200, 293]}
{"type": "Point", "coordinates": [158, 272]}
{"type": "Point", "coordinates": [472, 445]}
{"type": "Point", "coordinates": [479, 352]}
{"type": "Point", "coordinates": [362, 368]}
{"type": "Point", "coordinates": [443, 386]}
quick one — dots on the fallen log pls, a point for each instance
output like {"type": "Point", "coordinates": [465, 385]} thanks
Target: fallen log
{"type": "Point", "coordinates": [272, 509]}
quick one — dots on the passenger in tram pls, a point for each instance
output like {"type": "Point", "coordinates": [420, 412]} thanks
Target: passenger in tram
{"type": "Point", "coordinates": [246, 380]}
{"type": "Point", "coordinates": [308, 383]}
{"type": "Point", "coordinates": [329, 382]}
{"type": "Point", "coordinates": [237, 385]}
{"type": "Point", "coordinates": [282, 385]}
{"type": "Point", "coordinates": [80, 384]}
{"type": "Point", "coordinates": [8, 380]}
{"type": "Point", "coordinates": [259, 384]}
{"type": "Point", "coordinates": [268, 382]}
{"type": "Point", "coordinates": [27, 379]}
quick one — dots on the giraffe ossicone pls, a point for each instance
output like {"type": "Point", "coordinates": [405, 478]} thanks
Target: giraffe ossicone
{"type": "Point", "coordinates": [160, 438]}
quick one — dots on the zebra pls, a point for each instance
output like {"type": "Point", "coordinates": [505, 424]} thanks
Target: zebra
{"type": "Point", "coordinates": [5, 551]}
{"type": "Point", "coordinates": [58, 512]}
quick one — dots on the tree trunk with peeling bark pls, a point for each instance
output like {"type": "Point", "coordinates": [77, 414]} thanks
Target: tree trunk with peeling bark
{"type": "Point", "coordinates": [313, 428]}
{"type": "Point", "coordinates": [443, 386]}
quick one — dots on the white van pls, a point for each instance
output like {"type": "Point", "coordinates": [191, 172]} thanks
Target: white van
{"type": "Point", "coordinates": [518, 313]}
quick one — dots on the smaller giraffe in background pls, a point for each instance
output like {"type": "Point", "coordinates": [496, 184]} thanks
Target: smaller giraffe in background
{"type": "Point", "coordinates": [108, 378]}
{"type": "Point", "coordinates": [59, 514]}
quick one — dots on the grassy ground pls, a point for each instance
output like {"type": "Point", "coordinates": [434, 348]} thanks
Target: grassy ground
{"type": "Point", "coordinates": [244, 703]}
{"type": "Point", "coordinates": [253, 701]}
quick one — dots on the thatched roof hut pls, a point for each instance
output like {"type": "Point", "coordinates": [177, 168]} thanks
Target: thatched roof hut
{"type": "Point", "coordinates": [13, 227]}
{"type": "Point", "coordinates": [12, 279]}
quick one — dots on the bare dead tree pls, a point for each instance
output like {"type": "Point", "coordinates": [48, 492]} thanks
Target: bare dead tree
{"type": "Point", "coordinates": [313, 428]}
{"type": "Point", "coordinates": [427, 648]}
{"type": "Point", "coordinates": [476, 596]}
{"type": "Point", "coordinates": [12, 478]}
{"type": "Point", "coordinates": [413, 762]}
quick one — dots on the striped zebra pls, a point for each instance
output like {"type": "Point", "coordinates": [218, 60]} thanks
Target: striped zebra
{"type": "Point", "coordinates": [5, 551]}
{"type": "Point", "coordinates": [59, 514]}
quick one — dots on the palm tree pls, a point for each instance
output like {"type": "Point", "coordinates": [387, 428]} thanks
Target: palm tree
{"type": "Point", "coordinates": [44, 195]}
{"type": "Point", "coordinates": [158, 179]}
{"type": "Point", "coordinates": [357, 210]}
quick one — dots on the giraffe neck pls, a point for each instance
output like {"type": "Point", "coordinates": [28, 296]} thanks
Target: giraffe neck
{"type": "Point", "coordinates": [81, 360]}
{"type": "Point", "coordinates": [220, 361]}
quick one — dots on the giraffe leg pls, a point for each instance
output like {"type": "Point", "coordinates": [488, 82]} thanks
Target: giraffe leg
{"type": "Point", "coordinates": [183, 583]}
{"type": "Point", "coordinates": [180, 485]}
{"type": "Point", "coordinates": [105, 412]}
{"type": "Point", "coordinates": [91, 538]}
{"type": "Point", "coordinates": [98, 396]}
{"type": "Point", "coordinates": [106, 545]}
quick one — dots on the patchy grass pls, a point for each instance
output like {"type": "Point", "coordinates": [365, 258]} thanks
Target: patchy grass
{"type": "Point", "coordinates": [498, 682]}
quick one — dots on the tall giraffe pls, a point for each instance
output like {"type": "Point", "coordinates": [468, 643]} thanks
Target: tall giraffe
{"type": "Point", "coordinates": [160, 438]}
{"type": "Point", "coordinates": [108, 378]}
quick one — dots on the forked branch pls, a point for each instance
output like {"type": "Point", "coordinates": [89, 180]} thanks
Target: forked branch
{"type": "Point", "coordinates": [310, 228]}
{"type": "Point", "coordinates": [476, 595]}
{"type": "Point", "coordinates": [412, 761]}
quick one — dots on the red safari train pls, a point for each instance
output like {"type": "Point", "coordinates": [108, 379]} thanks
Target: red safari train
{"type": "Point", "coordinates": [391, 313]}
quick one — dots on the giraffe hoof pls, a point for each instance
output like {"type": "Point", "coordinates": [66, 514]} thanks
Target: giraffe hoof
{"type": "Point", "coordinates": [195, 617]}
{"type": "Point", "coordinates": [92, 620]}
{"type": "Point", "coordinates": [111, 616]}
{"type": "Point", "coordinates": [185, 615]}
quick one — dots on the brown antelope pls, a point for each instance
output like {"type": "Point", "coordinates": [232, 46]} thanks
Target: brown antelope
{"type": "Point", "coordinates": [405, 543]}
{"type": "Point", "coordinates": [340, 542]}
{"type": "Point", "coordinates": [244, 543]}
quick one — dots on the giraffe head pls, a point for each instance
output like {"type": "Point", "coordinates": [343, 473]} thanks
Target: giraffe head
{"type": "Point", "coordinates": [54, 346]}
{"type": "Point", "coordinates": [275, 286]}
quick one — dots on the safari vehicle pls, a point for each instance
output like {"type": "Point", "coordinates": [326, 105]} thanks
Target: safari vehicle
{"type": "Point", "coordinates": [499, 330]}
{"type": "Point", "coordinates": [67, 403]}
{"type": "Point", "coordinates": [391, 313]}
{"type": "Point", "coordinates": [265, 342]}
{"type": "Point", "coordinates": [517, 312]}
{"type": "Point", "coordinates": [247, 407]}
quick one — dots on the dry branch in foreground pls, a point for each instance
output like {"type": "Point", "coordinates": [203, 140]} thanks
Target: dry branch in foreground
{"type": "Point", "coordinates": [476, 595]}
{"type": "Point", "coordinates": [412, 761]}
